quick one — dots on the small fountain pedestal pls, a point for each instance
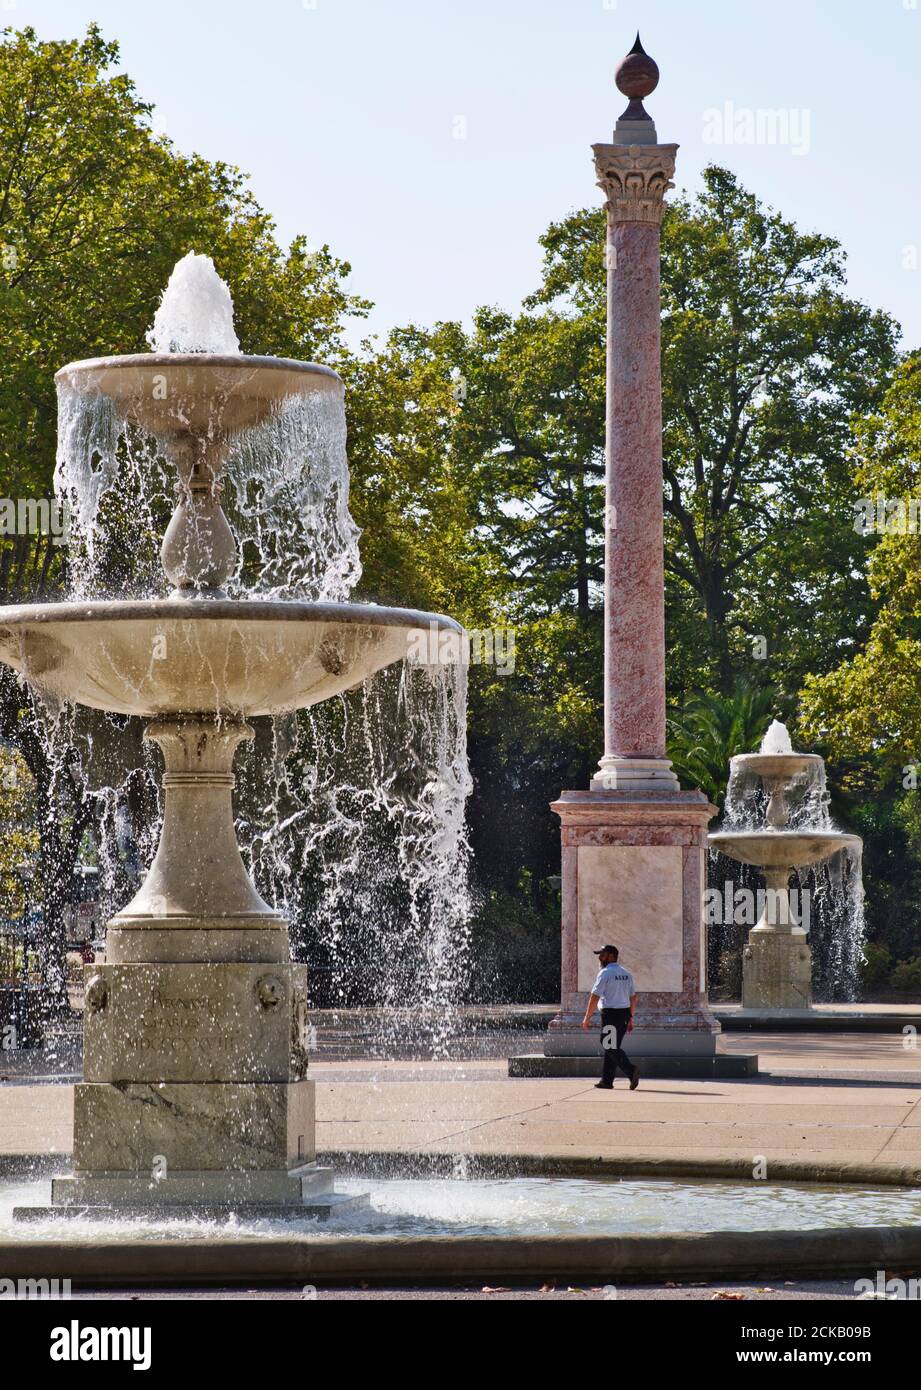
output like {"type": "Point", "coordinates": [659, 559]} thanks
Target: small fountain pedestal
{"type": "Point", "coordinates": [776, 960]}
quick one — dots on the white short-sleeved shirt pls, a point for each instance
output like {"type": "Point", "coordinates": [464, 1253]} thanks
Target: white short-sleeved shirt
{"type": "Point", "coordinates": [614, 987]}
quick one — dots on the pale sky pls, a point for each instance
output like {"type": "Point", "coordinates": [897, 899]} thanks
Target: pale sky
{"type": "Point", "coordinates": [429, 142]}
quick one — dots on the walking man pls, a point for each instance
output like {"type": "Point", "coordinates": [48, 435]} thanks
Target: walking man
{"type": "Point", "coordinates": [615, 993]}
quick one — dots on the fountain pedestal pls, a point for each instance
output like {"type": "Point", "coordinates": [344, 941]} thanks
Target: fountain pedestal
{"type": "Point", "coordinates": [776, 971]}
{"type": "Point", "coordinates": [195, 1029]}
{"type": "Point", "coordinates": [776, 960]}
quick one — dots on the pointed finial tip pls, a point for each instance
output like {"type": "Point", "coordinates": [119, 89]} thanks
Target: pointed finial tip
{"type": "Point", "coordinates": [636, 77]}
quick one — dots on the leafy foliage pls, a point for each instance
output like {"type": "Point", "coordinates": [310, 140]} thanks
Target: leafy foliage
{"type": "Point", "coordinates": [711, 729]}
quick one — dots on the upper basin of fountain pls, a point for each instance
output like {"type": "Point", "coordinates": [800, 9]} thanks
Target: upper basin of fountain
{"type": "Point", "coordinates": [195, 385]}
{"type": "Point", "coordinates": [175, 395]}
{"type": "Point", "coordinates": [182, 655]}
{"type": "Point", "coordinates": [776, 758]}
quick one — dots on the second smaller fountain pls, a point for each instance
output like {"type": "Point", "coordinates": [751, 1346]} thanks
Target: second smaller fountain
{"type": "Point", "coordinates": [796, 835]}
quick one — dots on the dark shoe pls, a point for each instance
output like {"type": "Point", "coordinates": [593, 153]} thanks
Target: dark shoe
{"type": "Point", "coordinates": [635, 1079]}
{"type": "Point", "coordinates": [604, 1086]}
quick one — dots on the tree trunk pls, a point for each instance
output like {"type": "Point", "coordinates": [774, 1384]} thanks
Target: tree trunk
{"type": "Point", "coordinates": [717, 604]}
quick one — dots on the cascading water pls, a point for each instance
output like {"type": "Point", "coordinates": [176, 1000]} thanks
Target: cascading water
{"type": "Point", "coordinates": [354, 825]}
{"type": "Point", "coordinates": [805, 797]}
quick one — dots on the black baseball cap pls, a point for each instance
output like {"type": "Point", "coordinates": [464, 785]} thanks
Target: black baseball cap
{"type": "Point", "coordinates": [612, 950]}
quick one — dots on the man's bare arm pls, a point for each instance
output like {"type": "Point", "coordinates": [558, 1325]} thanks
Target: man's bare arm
{"type": "Point", "coordinates": [592, 1006]}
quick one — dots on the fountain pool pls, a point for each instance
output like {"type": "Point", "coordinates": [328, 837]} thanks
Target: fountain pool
{"type": "Point", "coordinates": [524, 1206]}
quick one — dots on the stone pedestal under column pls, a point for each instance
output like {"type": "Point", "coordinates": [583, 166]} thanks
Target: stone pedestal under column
{"type": "Point", "coordinates": [633, 874]}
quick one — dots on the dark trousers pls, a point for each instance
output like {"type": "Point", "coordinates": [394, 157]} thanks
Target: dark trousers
{"type": "Point", "coordinates": [613, 1027]}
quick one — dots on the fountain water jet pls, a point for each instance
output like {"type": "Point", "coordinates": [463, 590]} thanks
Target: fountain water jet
{"type": "Point", "coordinates": [195, 1090]}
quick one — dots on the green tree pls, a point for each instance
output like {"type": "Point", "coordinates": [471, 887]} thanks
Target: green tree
{"type": "Point", "coordinates": [765, 362]}
{"type": "Point", "coordinates": [419, 542]}
{"type": "Point", "coordinates": [708, 730]}
{"type": "Point", "coordinates": [868, 706]}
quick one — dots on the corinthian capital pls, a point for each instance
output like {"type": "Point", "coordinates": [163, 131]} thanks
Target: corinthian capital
{"type": "Point", "coordinates": [635, 179]}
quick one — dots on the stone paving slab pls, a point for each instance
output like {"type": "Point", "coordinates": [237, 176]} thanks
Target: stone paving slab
{"type": "Point", "coordinates": [745, 1141]}
{"type": "Point", "coordinates": [820, 1051]}
{"type": "Point", "coordinates": [372, 1136]}
{"type": "Point", "coordinates": [470, 1102]}
{"type": "Point", "coordinates": [36, 1119]}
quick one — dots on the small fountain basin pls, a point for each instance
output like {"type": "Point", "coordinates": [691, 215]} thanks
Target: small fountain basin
{"type": "Point", "coordinates": [771, 766]}
{"type": "Point", "coordinates": [782, 849]}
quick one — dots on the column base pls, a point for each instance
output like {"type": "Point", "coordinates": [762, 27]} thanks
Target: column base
{"type": "Point", "coordinates": [566, 1038]}
{"type": "Point", "coordinates": [634, 774]}
{"type": "Point", "coordinates": [722, 1065]}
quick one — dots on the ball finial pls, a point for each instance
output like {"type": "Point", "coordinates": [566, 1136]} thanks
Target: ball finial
{"type": "Point", "coordinates": [637, 76]}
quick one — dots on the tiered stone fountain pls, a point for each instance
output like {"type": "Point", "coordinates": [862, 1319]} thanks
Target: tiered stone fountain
{"type": "Point", "coordinates": [777, 961]}
{"type": "Point", "coordinates": [196, 1092]}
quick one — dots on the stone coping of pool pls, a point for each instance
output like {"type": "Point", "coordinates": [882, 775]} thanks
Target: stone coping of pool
{"type": "Point", "coordinates": [121, 1261]}
{"type": "Point", "coordinates": [402, 1163]}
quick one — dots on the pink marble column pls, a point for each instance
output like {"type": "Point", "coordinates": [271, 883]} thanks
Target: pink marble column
{"type": "Point", "coordinates": [634, 578]}
{"type": "Point", "coordinates": [634, 845]}
{"type": "Point", "coordinates": [634, 171]}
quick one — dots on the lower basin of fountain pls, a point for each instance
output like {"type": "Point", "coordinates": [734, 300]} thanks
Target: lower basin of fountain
{"type": "Point", "coordinates": [235, 657]}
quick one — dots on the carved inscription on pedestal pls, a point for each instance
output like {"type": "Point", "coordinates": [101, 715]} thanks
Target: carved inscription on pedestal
{"type": "Point", "coordinates": [178, 1022]}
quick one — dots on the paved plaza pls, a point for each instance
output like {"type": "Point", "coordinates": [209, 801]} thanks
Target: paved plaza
{"type": "Point", "coordinates": [825, 1102]}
